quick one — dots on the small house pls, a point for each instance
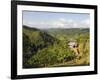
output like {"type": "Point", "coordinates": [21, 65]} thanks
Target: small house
{"type": "Point", "coordinates": [73, 45]}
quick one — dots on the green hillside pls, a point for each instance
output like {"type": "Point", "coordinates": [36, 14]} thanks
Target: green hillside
{"type": "Point", "coordinates": [33, 41]}
{"type": "Point", "coordinates": [49, 47]}
{"type": "Point", "coordinates": [70, 33]}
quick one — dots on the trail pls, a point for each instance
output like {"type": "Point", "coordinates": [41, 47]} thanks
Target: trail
{"type": "Point", "coordinates": [74, 62]}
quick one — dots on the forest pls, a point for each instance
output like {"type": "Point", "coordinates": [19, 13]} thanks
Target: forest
{"type": "Point", "coordinates": [49, 47]}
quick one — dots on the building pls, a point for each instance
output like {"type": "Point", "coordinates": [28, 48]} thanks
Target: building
{"type": "Point", "coordinates": [73, 45]}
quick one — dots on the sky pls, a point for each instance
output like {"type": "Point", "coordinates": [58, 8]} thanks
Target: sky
{"type": "Point", "coordinates": [40, 19]}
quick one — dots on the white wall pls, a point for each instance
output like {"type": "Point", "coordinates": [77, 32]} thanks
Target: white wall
{"type": "Point", "coordinates": [5, 29]}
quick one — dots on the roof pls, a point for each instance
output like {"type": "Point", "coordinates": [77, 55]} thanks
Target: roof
{"type": "Point", "coordinates": [72, 43]}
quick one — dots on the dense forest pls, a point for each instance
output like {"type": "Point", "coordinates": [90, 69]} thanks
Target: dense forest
{"type": "Point", "coordinates": [49, 47]}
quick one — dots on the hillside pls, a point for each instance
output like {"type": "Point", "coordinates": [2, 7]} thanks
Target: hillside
{"type": "Point", "coordinates": [35, 40]}
{"type": "Point", "coordinates": [70, 32]}
{"type": "Point", "coordinates": [49, 47]}
{"type": "Point", "coordinates": [37, 36]}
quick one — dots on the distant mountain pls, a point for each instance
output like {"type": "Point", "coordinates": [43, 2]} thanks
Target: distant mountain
{"type": "Point", "coordinates": [30, 28]}
{"type": "Point", "coordinates": [70, 31]}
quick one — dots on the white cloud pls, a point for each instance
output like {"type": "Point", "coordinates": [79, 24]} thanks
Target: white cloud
{"type": "Point", "coordinates": [60, 23]}
{"type": "Point", "coordinates": [62, 20]}
{"type": "Point", "coordinates": [87, 22]}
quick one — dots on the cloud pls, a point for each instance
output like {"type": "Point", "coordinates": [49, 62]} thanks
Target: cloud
{"type": "Point", "coordinates": [87, 21]}
{"type": "Point", "coordinates": [59, 23]}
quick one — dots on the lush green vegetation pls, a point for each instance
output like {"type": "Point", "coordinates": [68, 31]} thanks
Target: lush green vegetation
{"type": "Point", "coordinates": [49, 47]}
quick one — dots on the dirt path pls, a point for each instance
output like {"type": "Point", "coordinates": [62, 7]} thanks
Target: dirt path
{"type": "Point", "coordinates": [75, 62]}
